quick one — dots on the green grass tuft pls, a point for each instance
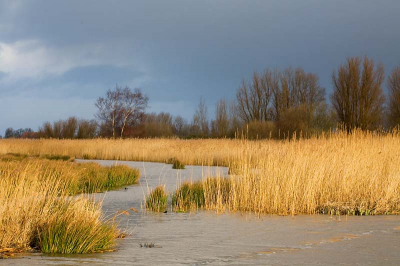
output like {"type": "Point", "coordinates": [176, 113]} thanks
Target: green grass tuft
{"type": "Point", "coordinates": [157, 200]}
{"type": "Point", "coordinates": [188, 196]}
{"type": "Point", "coordinates": [96, 178]}
{"type": "Point", "coordinates": [178, 164]}
{"type": "Point", "coordinates": [74, 232]}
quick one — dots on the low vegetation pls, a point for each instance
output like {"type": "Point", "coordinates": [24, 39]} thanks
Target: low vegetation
{"type": "Point", "coordinates": [57, 157]}
{"type": "Point", "coordinates": [81, 177]}
{"type": "Point", "coordinates": [188, 197]}
{"type": "Point", "coordinates": [178, 165]}
{"type": "Point", "coordinates": [157, 200]}
{"type": "Point", "coordinates": [37, 212]}
{"type": "Point", "coordinates": [356, 173]}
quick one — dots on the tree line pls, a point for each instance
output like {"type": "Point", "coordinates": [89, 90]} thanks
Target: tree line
{"type": "Point", "coordinates": [273, 104]}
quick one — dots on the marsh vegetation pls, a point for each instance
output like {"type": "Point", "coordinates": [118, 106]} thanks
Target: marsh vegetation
{"type": "Point", "coordinates": [338, 173]}
{"type": "Point", "coordinates": [38, 213]}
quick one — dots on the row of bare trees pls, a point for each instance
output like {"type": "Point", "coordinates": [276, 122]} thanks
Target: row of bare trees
{"type": "Point", "coordinates": [71, 128]}
{"type": "Point", "coordinates": [358, 99]}
{"type": "Point", "coordinates": [274, 103]}
{"type": "Point", "coordinates": [394, 98]}
{"type": "Point", "coordinates": [293, 101]}
{"type": "Point", "coordinates": [289, 100]}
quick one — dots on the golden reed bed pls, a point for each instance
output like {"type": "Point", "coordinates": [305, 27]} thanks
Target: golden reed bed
{"type": "Point", "coordinates": [355, 174]}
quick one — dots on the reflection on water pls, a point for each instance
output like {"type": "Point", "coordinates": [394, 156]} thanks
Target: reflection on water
{"type": "Point", "coordinates": [230, 239]}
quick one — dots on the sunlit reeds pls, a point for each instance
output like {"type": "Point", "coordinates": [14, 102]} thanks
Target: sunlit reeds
{"type": "Point", "coordinates": [37, 209]}
{"type": "Point", "coordinates": [36, 212]}
{"type": "Point", "coordinates": [357, 173]}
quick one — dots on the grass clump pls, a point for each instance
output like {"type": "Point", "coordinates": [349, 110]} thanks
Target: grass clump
{"type": "Point", "coordinates": [76, 231]}
{"type": "Point", "coordinates": [190, 196]}
{"type": "Point", "coordinates": [178, 164]}
{"type": "Point", "coordinates": [206, 194]}
{"type": "Point", "coordinates": [157, 200]}
{"type": "Point", "coordinates": [96, 178]}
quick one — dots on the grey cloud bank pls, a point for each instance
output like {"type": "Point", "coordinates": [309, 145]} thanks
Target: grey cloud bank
{"type": "Point", "coordinates": [57, 57]}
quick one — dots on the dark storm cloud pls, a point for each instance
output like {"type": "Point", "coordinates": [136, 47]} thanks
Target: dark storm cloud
{"type": "Point", "coordinates": [177, 51]}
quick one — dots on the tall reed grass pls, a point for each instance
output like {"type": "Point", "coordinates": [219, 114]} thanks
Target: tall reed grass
{"type": "Point", "coordinates": [81, 177]}
{"type": "Point", "coordinates": [37, 212]}
{"type": "Point", "coordinates": [357, 173]}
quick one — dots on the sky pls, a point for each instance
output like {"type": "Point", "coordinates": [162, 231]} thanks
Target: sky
{"type": "Point", "coordinates": [58, 57]}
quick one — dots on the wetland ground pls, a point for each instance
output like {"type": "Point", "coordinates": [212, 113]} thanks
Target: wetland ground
{"type": "Point", "coordinates": [207, 238]}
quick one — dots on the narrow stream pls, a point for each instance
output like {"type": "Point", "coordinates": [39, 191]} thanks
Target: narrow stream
{"type": "Point", "coordinates": [205, 237]}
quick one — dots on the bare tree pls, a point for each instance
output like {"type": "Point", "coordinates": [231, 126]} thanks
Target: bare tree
{"type": "Point", "coordinates": [158, 125]}
{"type": "Point", "coordinates": [277, 96]}
{"type": "Point", "coordinates": [110, 109]}
{"type": "Point", "coordinates": [9, 133]}
{"type": "Point", "coordinates": [254, 98]}
{"type": "Point", "coordinates": [358, 97]}
{"type": "Point", "coordinates": [121, 107]}
{"type": "Point", "coordinates": [180, 126]}
{"type": "Point", "coordinates": [18, 133]}
{"type": "Point", "coordinates": [47, 130]}
{"type": "Point", "coordinates": [69, 128]}
{"type": "Point", "coordinates": [200, 125]}
{"type": "Point", "coordinates": [58, 129]}
{"type": "Point", "coordinates": [87, 129]}
{"type": "Point", "coordinates": [236, 123]}
{"type": "Point", "coordinates": [296, 89]}
{"type": "Point", "coordinates": [220, 125]}
{"type": "Point", "coordinates": [133, 106]}
{"type": "Point", "coordinates": [394, 97]}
